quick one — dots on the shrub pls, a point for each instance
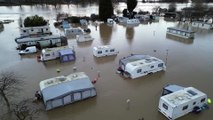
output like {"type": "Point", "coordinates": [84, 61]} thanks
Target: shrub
{"type": "Point", "coordinates": [33, 21]}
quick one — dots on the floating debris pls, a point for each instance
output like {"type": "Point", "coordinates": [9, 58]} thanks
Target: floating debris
{"type": "Point", "coordinates": [99, 74]}
{"type": "Point", "coordinates": [58, 70]}
{"type": "Point", "coordinates": [74, 68]}
{"type": "Point", "coordinates": [128, 104]}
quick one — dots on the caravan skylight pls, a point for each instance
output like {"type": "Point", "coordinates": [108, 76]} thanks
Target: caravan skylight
{"type": "Point", "coordinates": [191, 92]}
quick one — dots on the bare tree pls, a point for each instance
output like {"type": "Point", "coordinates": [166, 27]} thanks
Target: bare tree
{"type": "Point", "coordinates": [9, 84]}
{"type": "Point", "coordinates": [25, 110]}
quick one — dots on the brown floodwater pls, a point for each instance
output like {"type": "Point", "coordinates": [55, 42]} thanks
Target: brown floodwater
{"type": "Point", "coordinates": [189, 63]}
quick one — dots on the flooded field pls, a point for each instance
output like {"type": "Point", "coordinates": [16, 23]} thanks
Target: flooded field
{"type": "Point", "coordinates": [189, 63]}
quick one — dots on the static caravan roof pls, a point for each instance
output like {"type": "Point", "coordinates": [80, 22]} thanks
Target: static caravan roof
{"type": "Point", "coordinates": [38, 27]}
{"type": "Point", "coordinates": [182, 96]}
{"type": "Point", "coordinates": [133, 58]}
{"type": "Point", "coordinates": [36, 38]}
{"type": "Point", "coordinates": [201, 22]}
{"type": "Point", "coordinates": [55, 87]}
{"type": "Point", "coordinates": [143, 62]}
{"type": "Point", "coordinates": [103, 47]}
{"type": "Point", "coordinates": [50, 50]}
{"type": "Point", "coordinates": [179, 29]}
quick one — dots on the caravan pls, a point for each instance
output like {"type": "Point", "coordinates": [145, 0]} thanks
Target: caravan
{"type": "Point", "coordinates": [101, 51]}
{"type": "Point", "coordinates": [41, 41]}
{"type": "Point", "coordinates": [182, 102]}
{"type": "Point", "coordinates": [135, 66]}
{"type": "Point", "coordinates": [73, 31]}
{"type": "Point", "coordinates": [40, 30]}
{"type": "Point", "coordinates": [202, 25]}
{"type": "Point", "coordinates": [58, 52]}
{"type": "Point", "coordinates": [132, 22]}
{"type": "Point", "coordinates": [188, 34]}
{"type": "Point", "coordinates": [61, 90]}
{"type": "Point", "coordinates": [84, 38]}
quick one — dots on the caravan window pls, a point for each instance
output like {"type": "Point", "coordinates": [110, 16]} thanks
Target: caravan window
{"type": "Point", "coordinates": [202, 100]}
{"type": "Point", "coordinates": [185, 107]}
{"type": "Point", "coordinates": [99, 52]}
{"type": "Point", "coordinates": [47, 55]}
{"type": "Point", "coordinates": [106, 50]}
{"type": "Point", "coordinates": [160, 65]}
{"type": "Point", "coordinates": [152, 67]}
{"type": "Point", "coordinates": [139, 70]}
{"type": "Point", "coordinates": [165, 106]}
{"type": "Point", "coordinates": [112, 50]}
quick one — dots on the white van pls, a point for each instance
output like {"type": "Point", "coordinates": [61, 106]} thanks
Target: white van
{"type": "Point", "coordinates": [28, 50]}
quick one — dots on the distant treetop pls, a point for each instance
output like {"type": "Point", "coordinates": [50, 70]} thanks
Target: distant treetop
{"type": "Point", "coordinates": [33, 21]}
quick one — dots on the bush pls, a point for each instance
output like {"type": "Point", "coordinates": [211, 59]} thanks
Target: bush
{"type": "Point", "coordinates": [33, 21]}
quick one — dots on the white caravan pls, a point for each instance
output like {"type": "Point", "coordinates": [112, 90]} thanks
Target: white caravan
{"type": "Point", "coordinates": [26, 31]}
{"type": "Point", "coordinates": [106, 50]}
{"type": "Point", "coordinates": [122, 20]}
{"type": "Point", "coordinates": [73, 31]}
{"type": "Point", "coordinates": [51, 53]}
{"type": "Point", "coordinates": [132, 22]}
{"type": "Point", "coordinates": [202, 25]}
{"type": "Point", "coordinates": [142, 17]}
{"type": "Point", "coordinates": [188, 34]}
{"type": "Point", "coordinates": [61, 90]}
{"type": "Point", "coordinates": [84, 38]}
{"type": "Point", "coordinates": [135, 66]}
{"type": "Point", "coordinates": [182, 102]}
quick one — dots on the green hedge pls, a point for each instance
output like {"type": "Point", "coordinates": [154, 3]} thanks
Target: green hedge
{"type": "Point", "coordinates": [33, 21]}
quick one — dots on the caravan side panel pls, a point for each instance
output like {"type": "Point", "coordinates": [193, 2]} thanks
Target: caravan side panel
{"type": "Point", "coordinates": [86, 94]}
{"type": "Point", "coordinates": [57, 102]}
{"type": "Point", "coordinates": [67, 99]}
{"type": "Point", "coordinates": [76, 96]}
{"type": "Point", "coordinates": [48, 105]}
{"type": "Point", "coordinates": [93, 92]}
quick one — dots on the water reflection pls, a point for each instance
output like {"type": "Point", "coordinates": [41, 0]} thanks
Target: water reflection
{"type": "Point", "coordinates": [130, 34]}
{"type": "Point", "coordinates": [54, 63]}
{"type": "Point", "coordinates": [179, 39]}
{"type": "Point", "coordinates": [30, 56]}
{"type": "Point", "coordinates": [1, 29]}
{"type": "Point", "coordinates": [84, 44]}
{"type": "Point", "coordinates": [103, 60]}
{"type": "Point", "coordinates": [105, 33]}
